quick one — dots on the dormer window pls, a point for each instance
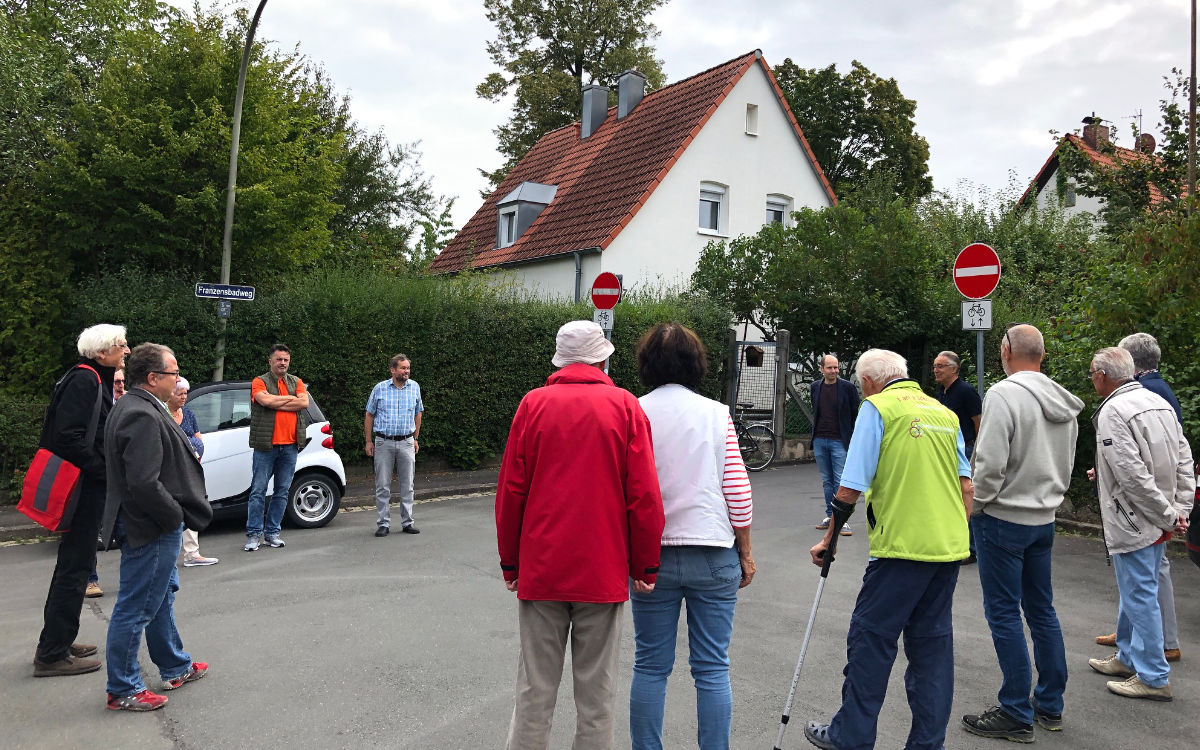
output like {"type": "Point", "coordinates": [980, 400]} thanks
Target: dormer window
{"type": "Point", "coordinates": [517, 210]}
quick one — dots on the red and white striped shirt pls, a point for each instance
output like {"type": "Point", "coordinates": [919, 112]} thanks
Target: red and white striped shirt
{"type": "Point", "coordinates": [735, 484]}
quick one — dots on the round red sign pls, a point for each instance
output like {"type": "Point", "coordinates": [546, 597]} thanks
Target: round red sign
{"type": "Point", "coordinates": [976, 271]}
{"type": "Point", "coordinates": [606, 290]}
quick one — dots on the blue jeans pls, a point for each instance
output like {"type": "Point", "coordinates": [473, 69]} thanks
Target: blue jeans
{"type": "Point", "coordinates": [1014, 573]}
{"type": "Point", "coordinates": [1139, 618]}
{"type": "Point", "coordinates": [280, 463]}
{"type": "Point", "coordinates": [146, 601]}
{"type": "Point", "coordinates": [831, 459]}
{"type": "Point", "coordinates": [913, 598]}
{"type": "Point", "coordinates": [707, 579]}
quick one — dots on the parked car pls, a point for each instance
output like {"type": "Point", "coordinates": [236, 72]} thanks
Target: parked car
{"type": "Point", "coordinates": [223, 414]}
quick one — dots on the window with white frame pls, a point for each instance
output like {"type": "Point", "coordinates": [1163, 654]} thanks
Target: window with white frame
{"type": "Point", "coordinates": [779, 209]}
{"type": "Point", "coordinates": [507, 233]}
{"type": "Point", "coordinates": [713, 208]}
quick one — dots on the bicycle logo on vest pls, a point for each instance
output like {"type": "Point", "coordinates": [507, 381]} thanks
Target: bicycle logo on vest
{"type": "Point", "coordinates": [915, 429]}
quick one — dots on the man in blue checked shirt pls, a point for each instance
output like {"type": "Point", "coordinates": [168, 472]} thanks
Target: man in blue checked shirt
{"type": "Point", "coordinates": [391, 426]}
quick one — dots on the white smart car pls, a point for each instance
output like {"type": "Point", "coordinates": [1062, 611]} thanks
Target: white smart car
{"type": "Point", "coordinates": [223, 414]}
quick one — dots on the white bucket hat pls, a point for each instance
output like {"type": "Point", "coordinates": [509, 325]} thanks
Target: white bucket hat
{"type": "Point", "coordinates": [580, 342]}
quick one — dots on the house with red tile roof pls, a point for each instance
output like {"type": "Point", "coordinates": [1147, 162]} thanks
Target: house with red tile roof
{"type": "Point", "coordinates": [639, 189]}
{"type": "Point", "coordinates": [1102, 153]}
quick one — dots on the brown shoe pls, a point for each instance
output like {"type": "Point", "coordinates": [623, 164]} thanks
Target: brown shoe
{"type": "Point", "coordinates": [1172, 654]}
{"type": "Point", "coordinates": [63, 667]}
{"type": "Point", "coordinates": [80, 650]}
{"type": "Point", "coordinates": [1107, 640]}
{"type": "Point", "coordinates": [93, 590]}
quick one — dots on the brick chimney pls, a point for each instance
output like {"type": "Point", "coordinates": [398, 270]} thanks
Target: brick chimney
{"type": "Point", "coordinates": [1095, 133]}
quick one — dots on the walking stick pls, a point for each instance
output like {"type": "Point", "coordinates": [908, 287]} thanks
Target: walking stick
{"type": "Point", "coordinates": [841, 513]}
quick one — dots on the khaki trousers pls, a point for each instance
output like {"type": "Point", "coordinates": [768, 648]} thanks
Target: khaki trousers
{"type": "Point", "coordinates": [595, 631]}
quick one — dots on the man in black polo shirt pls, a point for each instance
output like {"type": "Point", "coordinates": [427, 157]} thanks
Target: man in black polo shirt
{"type": "Point", "coordinates": [963, 400]}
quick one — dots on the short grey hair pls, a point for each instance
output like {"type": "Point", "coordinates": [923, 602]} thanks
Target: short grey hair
{"type": "Point", "coordinates": [954, 360]}
{"type": "Point", "coordinates": [1144, 349]}
{"type": "Point", "coordinates": [881, 366]}
{"type": "Point", "coordinates": [182, 384]}
{"type": "Point", "coordinates": [99, 339]}
{"type": "Point", "coordinates": [1024, 342]}
{"type": "Point", "coordinates": [1115, 362]}
{"type": "Point", "coordinates": [144, 359]}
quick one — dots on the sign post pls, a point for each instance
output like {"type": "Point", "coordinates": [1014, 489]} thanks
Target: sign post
{"type": "Point", "coordinates": [606, 292]}
{"type": "Point", "coordinates": [976, 274]}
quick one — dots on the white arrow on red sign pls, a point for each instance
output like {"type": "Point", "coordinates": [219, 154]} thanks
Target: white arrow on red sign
{"type": "Point", "coordinates": [976, 271]}
{"type": "Point", "coordinates": [606, 290]}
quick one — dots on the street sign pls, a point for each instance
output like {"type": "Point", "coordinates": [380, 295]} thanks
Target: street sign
{"type": "Point", "coordinates": [606, 290]}
{"type": "Point", "coordinates": [603, 318]}
{"type": "Point", "coordinates": [976, 271]}
{"type": "Point", "coordinates": [224, 307]}
{"type": "Point", "coordinates": [977, 315]}
{"type": "Point", "coordinates": [224, 291]}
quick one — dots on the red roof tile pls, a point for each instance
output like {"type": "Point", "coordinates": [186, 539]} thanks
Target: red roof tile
{"type": "Point", "coordinates": [604, 180]}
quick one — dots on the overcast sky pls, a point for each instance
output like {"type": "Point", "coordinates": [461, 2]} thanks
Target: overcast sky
{"type": "Point", "coordinates": [990, 79]}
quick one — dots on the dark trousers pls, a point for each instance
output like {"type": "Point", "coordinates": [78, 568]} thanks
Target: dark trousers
{"type": "Point", "coordinates": [913, 598]}
{"type": "Point", "coordinates": [76, 560]}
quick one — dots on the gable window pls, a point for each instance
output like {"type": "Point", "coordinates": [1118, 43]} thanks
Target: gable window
{"type": "Point", "coordinates": [751, 119]}
{"type": "Point", "coordinates": [713, 208]}
{"type": "Point", "coordinates": [507, 234]}
{"type": "Point", "coordinates": [779, 210]}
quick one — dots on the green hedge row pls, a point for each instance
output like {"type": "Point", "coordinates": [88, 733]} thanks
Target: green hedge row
{"type": "Point", "coordinates": [475, 350]}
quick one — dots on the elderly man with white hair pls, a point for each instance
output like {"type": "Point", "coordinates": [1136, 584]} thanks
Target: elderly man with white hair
{"type": "Point", "coordinates": [578, 515]}
{"type": "Point", "coordinates": [908, 455]}
{"type": "Point", "coordinates": [74, 431]}
{"type": "Point", "coordinates": [1146, 484]}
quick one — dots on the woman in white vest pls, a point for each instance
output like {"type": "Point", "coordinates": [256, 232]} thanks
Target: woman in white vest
{"type": "Point", "coordinates": [706, 542]}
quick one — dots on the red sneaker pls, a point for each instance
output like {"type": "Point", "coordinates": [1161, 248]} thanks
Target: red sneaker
{"type": "Point", "coordinates": [143, 701]}
{"type": "Point", "coordinates": [195, 672]}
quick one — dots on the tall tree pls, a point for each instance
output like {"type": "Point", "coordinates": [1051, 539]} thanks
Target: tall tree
{"type": "Point", "coordinates": [547, 50]}
{"type": "Point", "coordinates": [858, 125]}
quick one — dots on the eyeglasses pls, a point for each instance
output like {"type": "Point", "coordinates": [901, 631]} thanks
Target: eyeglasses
{"type": "Point", "coordinates": [1008, 328]}
{"type": "Point", "coordinates": [164, 372]}
{"type": "Point", "coordinates": [942, 367]}
{"type": "Point", "coordinates": [1092, 373]}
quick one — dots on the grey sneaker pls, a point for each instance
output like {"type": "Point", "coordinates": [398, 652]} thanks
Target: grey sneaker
{"type": "Point", "coordinates": [273, 540]}
{"type": "Point", "coordinates": [1135, 688]}
{"type": "Point", "coordinates": [1112, 666]}
{"type": "Point", "coordinates": [846, 531]}
{"type": "Point", "coordinates": [252, 543]}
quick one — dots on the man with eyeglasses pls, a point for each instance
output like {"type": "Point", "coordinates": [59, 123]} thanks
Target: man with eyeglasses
{"type": "Point", "coordinates": [960, 398]}
{"type": "Point", "coordinates": [278, 427]}
{"type": "Point", "coordinates": [1146, 485]}
{"type": "Point", "coordinates": [1022, 467]}
{"type": "Point", "coordinates": [155, 489]}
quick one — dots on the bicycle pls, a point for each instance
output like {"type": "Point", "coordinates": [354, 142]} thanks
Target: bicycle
{"type": "Point", "coordinates": [756, 441]}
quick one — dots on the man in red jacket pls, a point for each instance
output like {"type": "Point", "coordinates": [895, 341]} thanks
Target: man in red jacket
{"type": "Point", "coordinates": [578, 513]}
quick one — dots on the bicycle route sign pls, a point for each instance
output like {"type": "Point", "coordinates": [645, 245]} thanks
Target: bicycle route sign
{"type": "Point", "coordinates": [977, 315]}
{"type": "Point", "coordinates": [976, 271]}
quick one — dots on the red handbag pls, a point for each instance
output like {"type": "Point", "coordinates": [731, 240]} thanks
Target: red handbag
{"type": "Point", "coordinates": [52, 484]}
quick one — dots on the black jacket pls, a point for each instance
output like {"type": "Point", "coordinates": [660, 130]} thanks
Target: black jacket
{"type": "Point", "coordinates": [847, 404]}
{"type": "Point", "coordinates": [155, 481]}
{"type": "Point", "coordinates": [69, 414]}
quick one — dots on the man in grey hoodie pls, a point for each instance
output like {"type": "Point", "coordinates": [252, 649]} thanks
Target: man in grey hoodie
{"type": "Point", "coordinates": [1022, 465]}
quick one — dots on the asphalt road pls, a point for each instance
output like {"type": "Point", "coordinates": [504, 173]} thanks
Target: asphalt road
{"type": "Point", "coordinates": [343, 640]}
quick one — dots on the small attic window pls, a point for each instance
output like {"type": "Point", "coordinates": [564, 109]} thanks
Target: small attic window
{"type": "Point", "coordinates": [751, 119]}
{"type": "Point", "coordinates": [517, 210]}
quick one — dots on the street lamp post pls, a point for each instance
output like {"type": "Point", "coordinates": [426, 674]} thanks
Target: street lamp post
{"type": "Point", "coordinates": [227, 238]}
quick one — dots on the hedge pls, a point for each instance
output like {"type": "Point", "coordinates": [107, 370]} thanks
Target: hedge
{"type": "Point", "coordinates": [475, 349]}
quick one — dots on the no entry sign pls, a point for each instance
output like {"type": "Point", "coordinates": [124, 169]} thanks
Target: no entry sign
{"type": "Point", "coordinates": [606, 290]}
{"type": "Point", "coordinates": [976, 271]}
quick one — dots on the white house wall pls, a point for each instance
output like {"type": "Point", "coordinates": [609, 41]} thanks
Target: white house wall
{"type": "Point", "coordinates": [1048, 198]}
{"type": "Point", "coordinates": [551, 279]}
{"type": "Point", "coordinates": [661, 246]}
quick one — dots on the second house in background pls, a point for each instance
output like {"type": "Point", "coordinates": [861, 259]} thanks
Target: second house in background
{"type": "Point", "coordinates": [391, 427]}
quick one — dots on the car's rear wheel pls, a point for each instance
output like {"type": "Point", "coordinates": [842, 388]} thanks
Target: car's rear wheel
{"type": "Point", "coordinates": [313, 501]}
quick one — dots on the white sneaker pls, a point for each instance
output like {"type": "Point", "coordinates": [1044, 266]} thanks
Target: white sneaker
{"type": "Point", "coordinates": [846, 530]}
{"type": "Point", "coordinates": [199, 560]}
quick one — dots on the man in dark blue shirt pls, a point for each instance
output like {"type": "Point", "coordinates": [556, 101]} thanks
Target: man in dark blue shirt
{"type": "Point", "coordinates": [964, 401]}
